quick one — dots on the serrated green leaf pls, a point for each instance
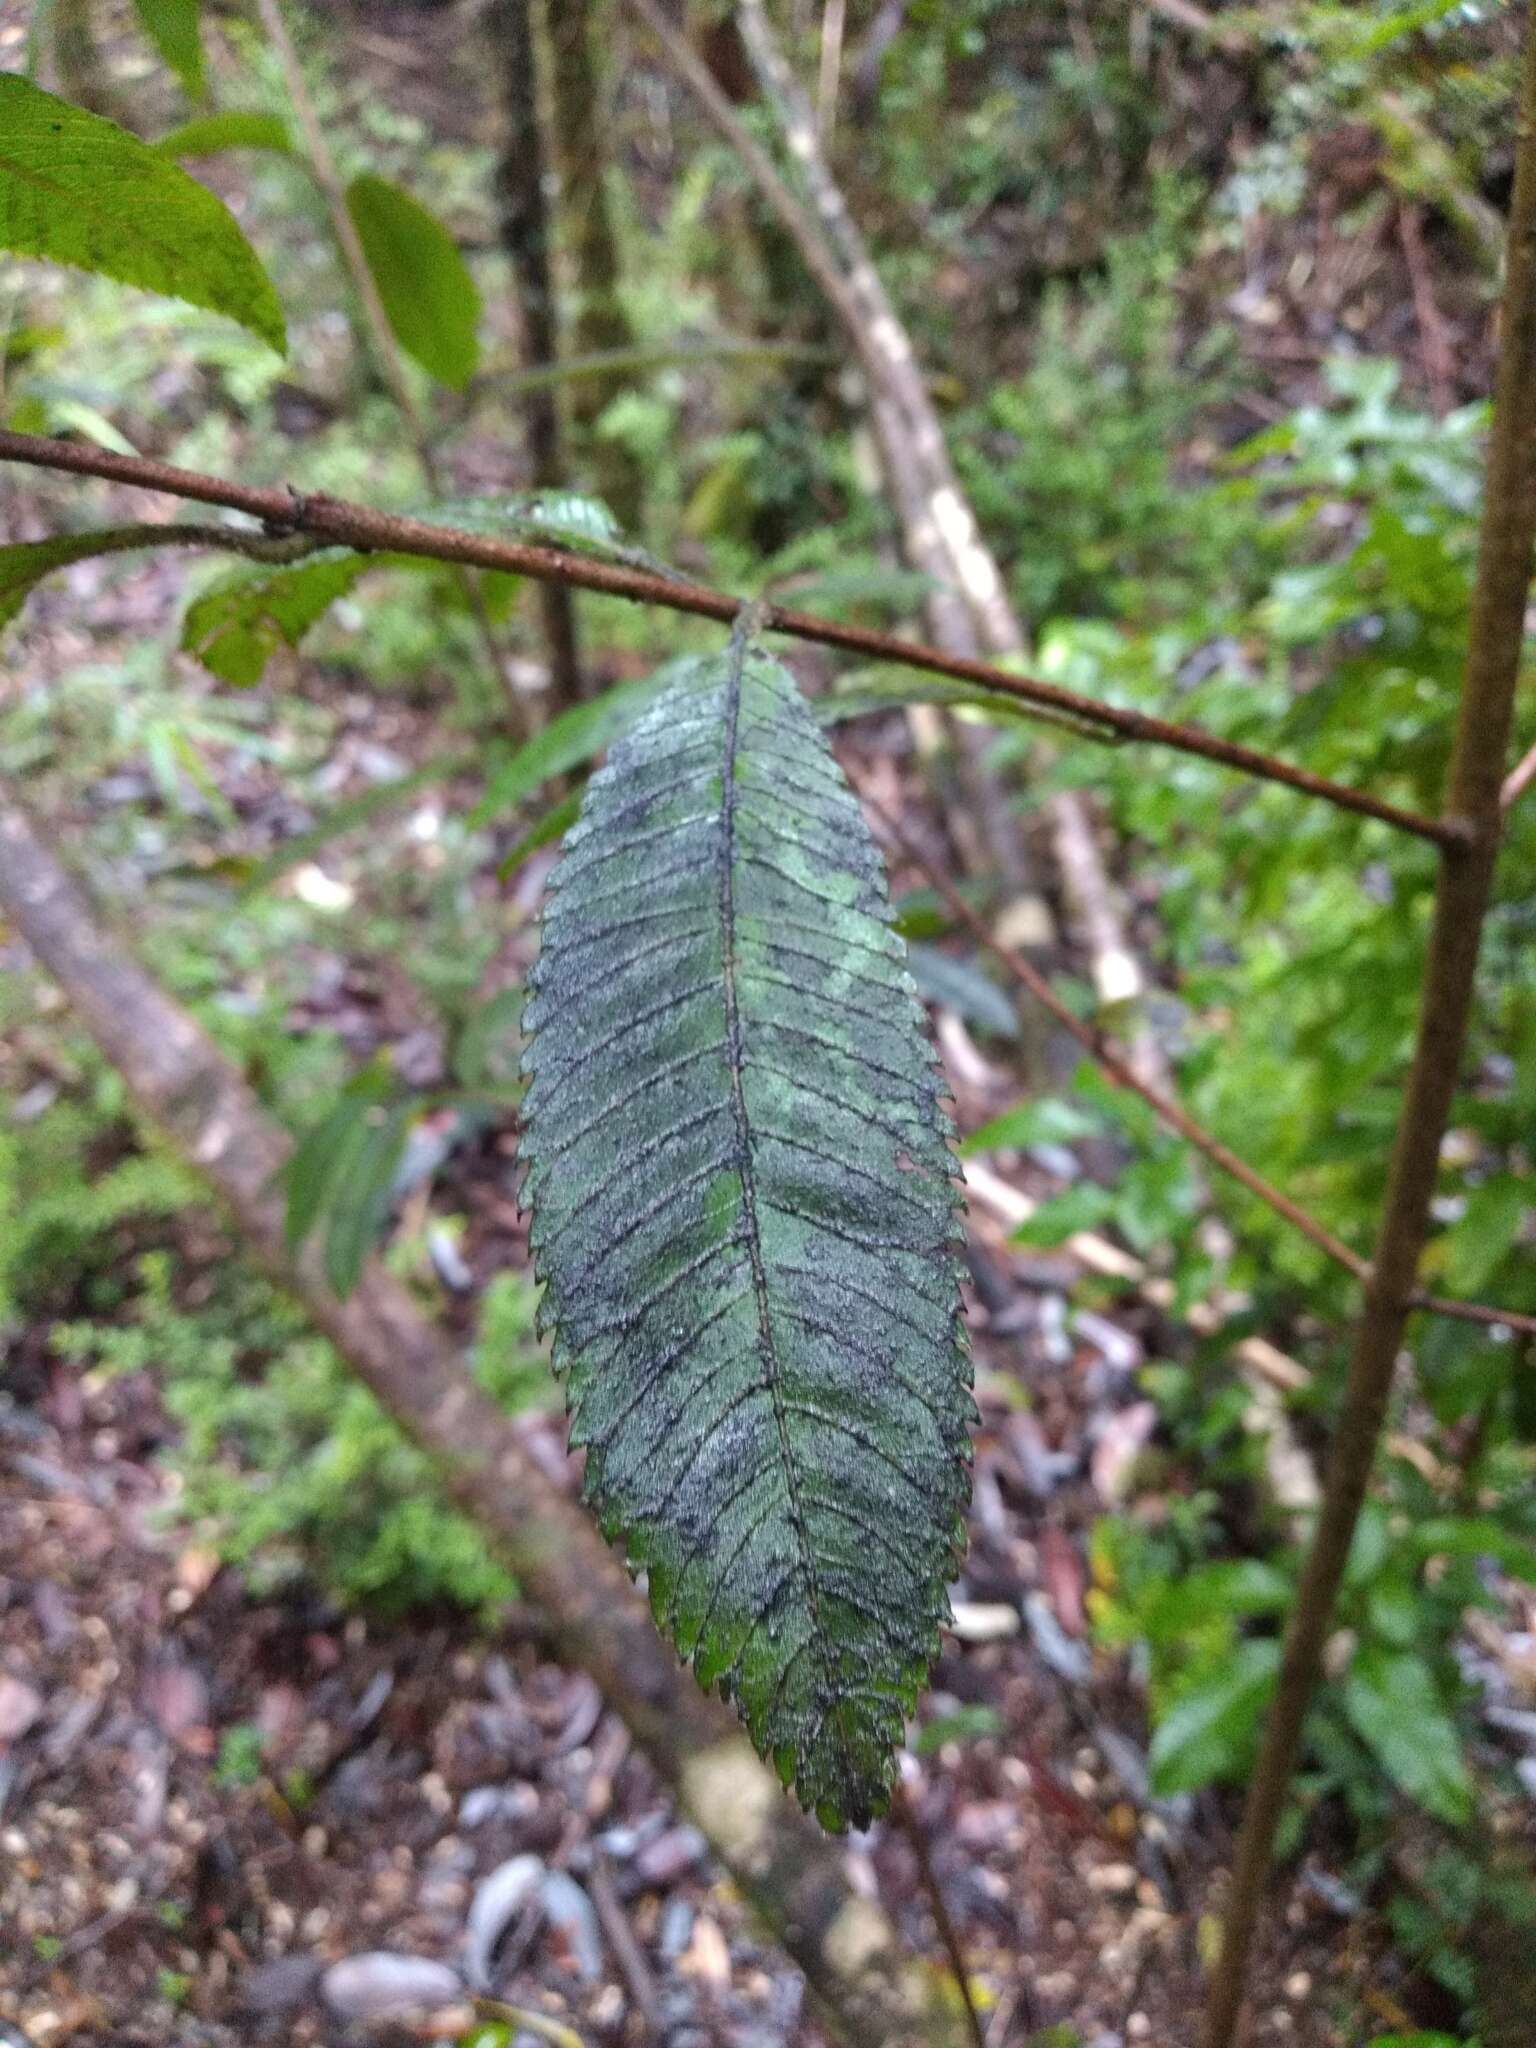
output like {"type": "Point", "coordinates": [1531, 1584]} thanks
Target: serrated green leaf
{"type": "Point", "coordinates": [207, 134]}
{"type": "Point", "coordinates": [172, 27]}
{"type": "Point", "coordinates": [745, 1217]}
{"type": "Point", "coordinates": [1206, 1733]}
{"type": "Point", "coordinates": [237, 624]}
{"type": "Point", "coordinates": [1391, 1702]}
{"type": "Point", "coordinates": [428, 295]}
{"type": "Point", "coordinates": [79, 190]}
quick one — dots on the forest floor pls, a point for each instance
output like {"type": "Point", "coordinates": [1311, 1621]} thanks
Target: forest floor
{"type": "Point", "coordinates": [206, 1798]}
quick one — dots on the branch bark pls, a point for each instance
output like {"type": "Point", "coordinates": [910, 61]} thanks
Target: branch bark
{"type": "Point", "coordinates": [873, 1994]}
{"type": "Point", "coordinates": [359, 526]}
{"type": "Point", "coordinates": [1506, 546]}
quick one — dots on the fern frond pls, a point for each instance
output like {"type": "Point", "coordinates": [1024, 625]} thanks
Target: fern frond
{"type": "Point", "coordinates": [745, 1217]}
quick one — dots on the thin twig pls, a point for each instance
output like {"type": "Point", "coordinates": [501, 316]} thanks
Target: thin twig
{"type": "Point", "coordinates": [359, 526]}
{"type": "Point", "coordinates": [1495, 639]}
{"type": "Point", "coordinates": [280, 548]}
{"type": "Point", "coordinates": [382, 343]}
{"type": "Point", "coordinates": [906, 1812]}
{"type": "Point", "coordinates": [627, 1952]}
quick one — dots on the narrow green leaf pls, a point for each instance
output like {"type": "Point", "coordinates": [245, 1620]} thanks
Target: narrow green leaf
{"type": "Point", "coordinates": [554, 824]}
{"type": "Point", "coordinates": [1044, 1120]}
{"type": "Point", "coordinates": [745, 1217]}
{"type": "Point", "coordinates": [24, 564]}
{"type": "Point", "coordinates": [1391, 1702]}
{"type": "Point", "coordinates": [207, 134]}
{"type": "Point", "coordinates": [961, 986]}
{"type": "Point", "coordinates": [429, 297]}
{"type": "Point", "coordinates": [1079, 1208]}
{"type": "Point", "coordinates": [361, 1193]}
{"type": "Point", "coordinates": [237, 624]}
{"type": "Point", "coordinates": [77, 189]}
{"type": "Point", "coordinates": [570, 739]}
{"type": "Point", "coordinates": [861, 587]}
{"type": "Point", "coordinates": [172, 27]}
{"type": "Point", "coordinates": [1487, 1231]}
{"type": "Point", "coordinates": [964, 1724]}
{"type": "Point", "coordinates": [316, 1162]}
{"type": "Point", "coordinates": [1207, 1731]}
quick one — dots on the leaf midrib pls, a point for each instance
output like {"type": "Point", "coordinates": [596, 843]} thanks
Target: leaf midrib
{"type": "Point", "coordinates": [768, 1351]}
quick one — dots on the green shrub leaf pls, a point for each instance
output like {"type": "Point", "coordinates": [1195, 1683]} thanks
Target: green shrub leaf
{"type": "Point", "coordinates": [1392, 1704]}
{"type": "Point", "coordinates": [77, 189]}
{"type": "Point", "coordinates": [207, 134]}
{"type": "Point", "coordinates": [25, 563]}
{"type": "Point", "coordinates": [745, 1217]}
{"type": "Point", "coordinates": [171, 26]}
{"type": "Point", "coordinates": [237, 624]}
{"type": "Point", "coordinates": [570, 738]}
{"type": "Point", "coordinates": [1208, 1731]}
{"type": "Point", "coordinates": [428, 295]}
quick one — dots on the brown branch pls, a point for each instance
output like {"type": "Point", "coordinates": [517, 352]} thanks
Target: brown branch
{"type": "Point", "coordinates": [382, 343]}
{"type": "Point", "coordinates": [1496, 636]}
{"type": "Point", "coordinates": [794, 1877]}
{"type": "Point", "coordinates": [1114, 1062]}
{"type": "Point", "coordinates": [358, 526]}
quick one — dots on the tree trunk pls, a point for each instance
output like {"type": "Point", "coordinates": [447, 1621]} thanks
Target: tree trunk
{"type": "Point", "coordinates": [599, 320]}
{"type": "Point", "coordinates": [525, 232]}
